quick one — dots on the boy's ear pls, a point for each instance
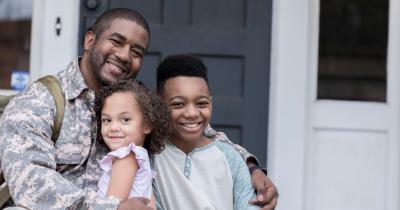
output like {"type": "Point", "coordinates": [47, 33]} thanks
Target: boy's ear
{"type": "Point", "coordinates": [90, 38]}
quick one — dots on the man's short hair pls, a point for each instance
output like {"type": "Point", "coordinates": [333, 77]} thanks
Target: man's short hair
{"type": "Point", "coordinates": [180, 65]}
{"type": "Point", "coordinates": [103, 22]}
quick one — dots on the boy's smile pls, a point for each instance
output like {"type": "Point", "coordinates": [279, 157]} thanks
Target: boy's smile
{"type": "Point", "coordinates": [190, 103]}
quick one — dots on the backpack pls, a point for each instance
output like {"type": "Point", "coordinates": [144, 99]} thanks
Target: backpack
{"type": "Point", "coordinates": [53, 85]}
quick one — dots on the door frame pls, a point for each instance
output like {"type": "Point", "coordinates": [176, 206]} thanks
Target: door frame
{"type": "Point", "coordinates": [294, 110]}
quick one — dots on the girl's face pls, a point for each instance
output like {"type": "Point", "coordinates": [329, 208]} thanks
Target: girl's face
{"type": "Point", "coordinates": [122, 121]}
{"type": "Point", "coordinates": [190, 103]}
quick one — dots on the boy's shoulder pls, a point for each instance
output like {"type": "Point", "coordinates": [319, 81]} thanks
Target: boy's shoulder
{"type": "Point", "coordinates": [229, 151]}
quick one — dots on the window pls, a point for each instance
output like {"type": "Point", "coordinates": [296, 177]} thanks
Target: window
{"type": "Point", "coordinates": [352, 50]}
{"type": "Point", "coordinates": [15, 27]}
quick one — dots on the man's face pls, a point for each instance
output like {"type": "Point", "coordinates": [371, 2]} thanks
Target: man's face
{"type": "Point", "coordinates": [190, 103]}
{"type": "Point", "coordinates": [118, 52]}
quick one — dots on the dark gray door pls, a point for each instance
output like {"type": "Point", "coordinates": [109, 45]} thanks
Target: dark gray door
{"type": "Point", "coordinates": [231, 36]}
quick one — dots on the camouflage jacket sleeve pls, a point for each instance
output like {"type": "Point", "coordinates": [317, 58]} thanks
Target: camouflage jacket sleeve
{"type": "Point", "coordinates": [247, 156]}
{"type": "Point", "coordinates": [28, 157]}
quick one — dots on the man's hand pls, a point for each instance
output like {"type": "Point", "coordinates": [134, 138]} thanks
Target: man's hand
{"type": "Point", "coordinates": [267, 194]}
{"type": "Point", "coordinates": [134, 204]}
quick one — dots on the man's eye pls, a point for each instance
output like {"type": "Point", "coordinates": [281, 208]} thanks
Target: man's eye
{"type": "Point", "coordinates": [116, 42]}
{"type": "Point", "coordinates": [136, 54]}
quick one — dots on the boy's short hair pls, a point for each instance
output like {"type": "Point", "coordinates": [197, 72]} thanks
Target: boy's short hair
{"type": "Point", "coordinates": [155, 112]}
{"type": "Point", "coordinates": [180, 65]}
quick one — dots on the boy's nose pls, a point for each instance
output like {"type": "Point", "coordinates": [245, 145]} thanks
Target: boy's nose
{"type": "Point", "coordinates": [191, 111]}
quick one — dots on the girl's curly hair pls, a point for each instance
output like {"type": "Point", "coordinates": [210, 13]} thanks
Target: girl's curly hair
{"type": "Point", "coordinates": [155, 112]}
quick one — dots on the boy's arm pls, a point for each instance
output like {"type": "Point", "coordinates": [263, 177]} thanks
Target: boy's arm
{"type": "Point", "coordinates": [267, 193]}
{"type": "Point", "coordinates": [122, 176]}
{"type": "Point", "coordinates": [247, 156]}
{"type": "Point", "coordinates": [28, 157]}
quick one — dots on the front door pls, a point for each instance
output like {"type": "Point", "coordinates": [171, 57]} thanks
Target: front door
{"type": "Point", "coordinates": [233, 39]}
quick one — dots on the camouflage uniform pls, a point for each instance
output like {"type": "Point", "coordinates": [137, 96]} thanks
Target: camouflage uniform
{"type": "Point", "coordinates": [42, 175]}
{"type": "Point", "coordinates": [64, 175]}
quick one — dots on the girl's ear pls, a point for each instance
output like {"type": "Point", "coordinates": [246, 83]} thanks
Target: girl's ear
{"type": "Point", "coordinates": [147, 129]}
{"type": "Point", "coordinates": [90, 37]}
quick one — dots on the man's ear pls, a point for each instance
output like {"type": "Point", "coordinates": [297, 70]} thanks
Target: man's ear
{"type": "Point", "coordinates": [90, 38]}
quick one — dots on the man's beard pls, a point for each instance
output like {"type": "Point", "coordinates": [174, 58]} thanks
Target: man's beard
{"type": "Point", "coordinates": [97, 62]}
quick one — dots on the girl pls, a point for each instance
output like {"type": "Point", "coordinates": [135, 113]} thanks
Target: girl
{"type": "Point", "coordinates": [133, 122]}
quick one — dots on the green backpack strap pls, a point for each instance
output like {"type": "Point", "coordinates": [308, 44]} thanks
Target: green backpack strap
{"type": "Point", "coordinates": [53, 84]}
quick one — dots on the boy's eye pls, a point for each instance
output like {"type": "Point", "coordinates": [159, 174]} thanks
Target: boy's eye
{"type": "Point", "coordinates": [203, 104]}
{"type": "Point", "coordinates": [177, 105]}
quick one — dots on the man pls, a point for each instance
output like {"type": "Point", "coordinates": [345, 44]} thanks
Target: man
{"type": "Point", "coordinates": [64, 175]}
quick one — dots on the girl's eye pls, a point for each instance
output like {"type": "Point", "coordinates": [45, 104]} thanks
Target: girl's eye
{"type": "Point", "coordinates": [126, 119]}
{"type": "Point", "coordinates": [105, 121]}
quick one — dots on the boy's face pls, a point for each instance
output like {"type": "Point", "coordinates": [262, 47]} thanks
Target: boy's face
{"type": "Point", "coordinates": [117, 53]}
{"type": "Point", "coordinates": [122, 121]}
{"type": "Point", "coordinates": [190, 103]}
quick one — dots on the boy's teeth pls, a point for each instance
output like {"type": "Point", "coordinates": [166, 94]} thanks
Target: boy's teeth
{"type": "Point", "coordinates": [191, 125]}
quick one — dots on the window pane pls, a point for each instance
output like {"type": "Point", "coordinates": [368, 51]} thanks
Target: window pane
{"type": "Point", "coordinates": [15, 27]}
{"type": "Point", "coordinates": [352, 50]}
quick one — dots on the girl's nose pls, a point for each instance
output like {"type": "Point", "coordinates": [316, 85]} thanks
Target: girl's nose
{"type": "Point", "coordinates": [114, 127]}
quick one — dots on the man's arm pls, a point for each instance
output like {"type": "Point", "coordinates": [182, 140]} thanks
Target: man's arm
{"type": "Point", "coordinates": [28, 157]}
{"type": "Point", "coordinates": [267, 193]}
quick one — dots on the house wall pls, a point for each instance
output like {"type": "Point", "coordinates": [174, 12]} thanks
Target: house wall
{"type": "Point", "coordinates": [327, 154]}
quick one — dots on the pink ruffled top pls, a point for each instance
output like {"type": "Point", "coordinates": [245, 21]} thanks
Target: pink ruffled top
{"type": "Point", "coordinates": [142, 182]}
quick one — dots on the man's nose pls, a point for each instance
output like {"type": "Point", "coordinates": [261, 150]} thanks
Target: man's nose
{"type": "Point", "coordinates": [123, 53]}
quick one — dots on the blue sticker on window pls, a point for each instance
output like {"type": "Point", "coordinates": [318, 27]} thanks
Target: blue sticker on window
{"type": "Point", "coordinates": [19, 79]}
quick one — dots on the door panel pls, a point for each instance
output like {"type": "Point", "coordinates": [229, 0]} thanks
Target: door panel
{"type": "Point", "coordinates": [233, 39]}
